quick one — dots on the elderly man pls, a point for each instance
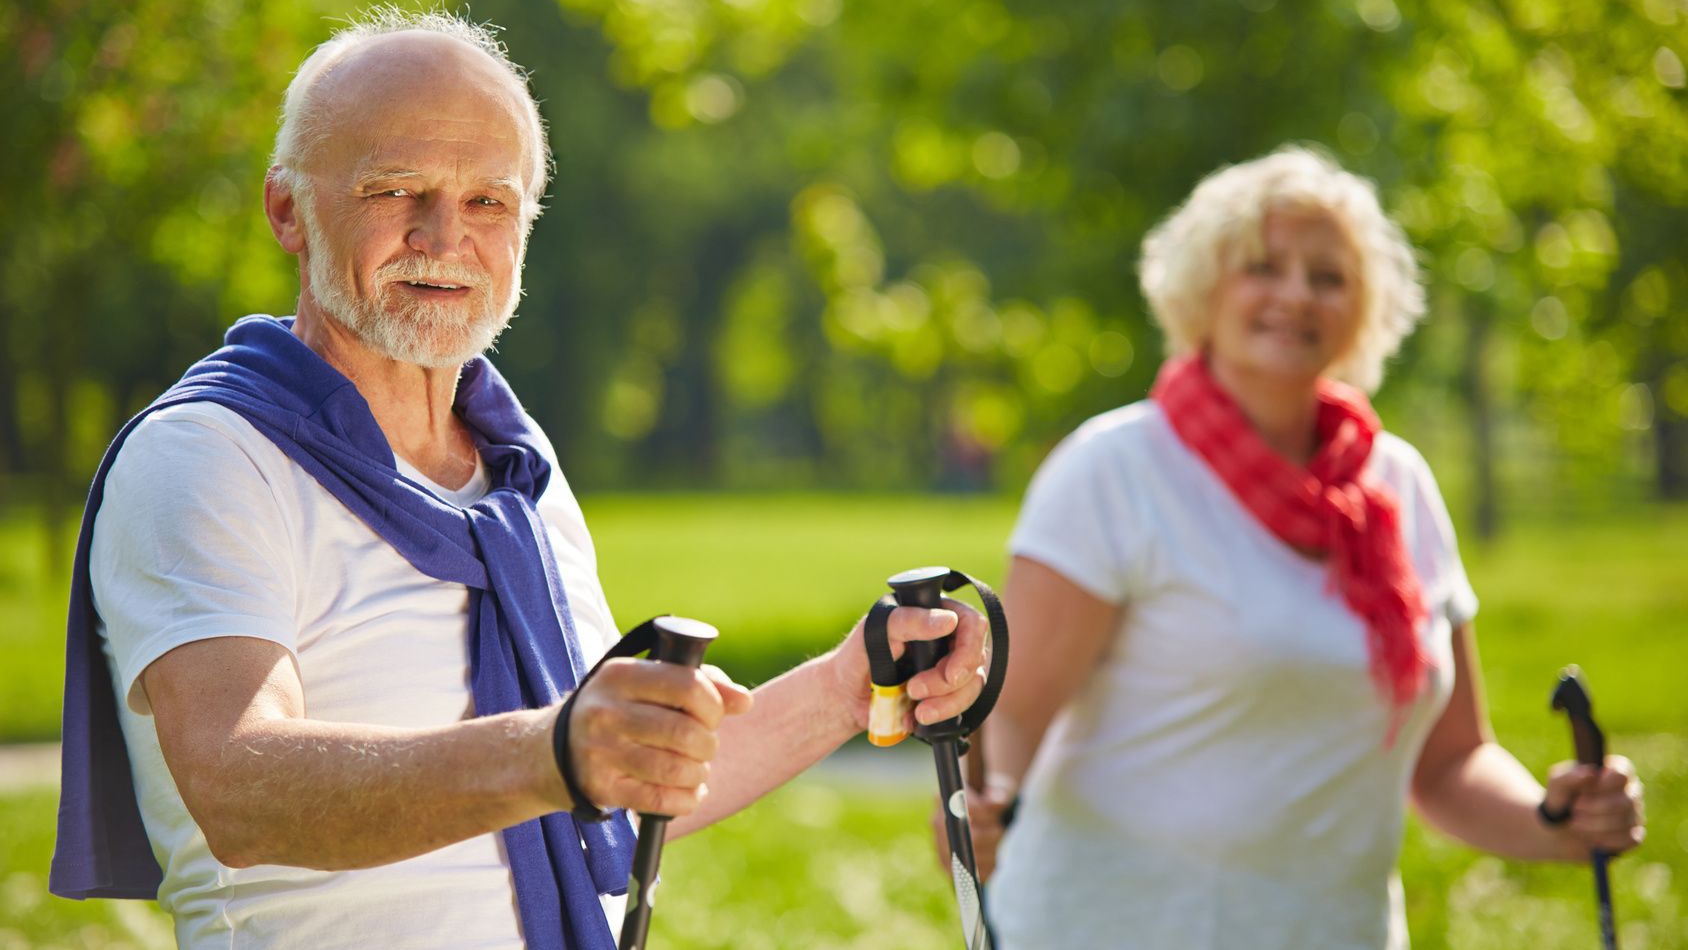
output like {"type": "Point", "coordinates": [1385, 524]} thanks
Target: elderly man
{"type": "Point", "coordinates": [332, 590]}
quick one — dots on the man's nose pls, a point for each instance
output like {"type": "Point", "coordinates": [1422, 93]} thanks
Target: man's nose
{"type": "Point", "coordinates": [439, 230]}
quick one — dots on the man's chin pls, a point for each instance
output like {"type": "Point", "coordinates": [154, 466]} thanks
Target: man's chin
{"type": "Point", "coordinates": [437, 341]}
{"type": "Point", "coordinates": [445, 347]}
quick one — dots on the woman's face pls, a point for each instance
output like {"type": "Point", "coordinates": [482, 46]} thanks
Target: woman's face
{"type": "Point", "coordinates": [1294, 309]}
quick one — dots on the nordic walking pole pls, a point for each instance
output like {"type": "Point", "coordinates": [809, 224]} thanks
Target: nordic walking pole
{"type": "Point", "coordinates": [1571, 697]}
{"type": "Point", "coordinates": [680, 641]}
{"type": "Point", "coordinates": [669, 640]}
{"type": "Point", "coordinates": [924, 587]}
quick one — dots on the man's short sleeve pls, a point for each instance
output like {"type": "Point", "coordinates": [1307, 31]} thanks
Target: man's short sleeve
{"type": "Point", "coordinates": [1078, 517]}
{"type": "Point", "coordinates": [577, 561]}
{"type": "Point", "coordinates": [190, 543]}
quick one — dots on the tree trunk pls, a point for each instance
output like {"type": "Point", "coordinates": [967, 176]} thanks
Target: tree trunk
{"type": "Point", "coordinates": [1670, 440]}
{"type": "Point", "coordinates": [11, 440]}
{"type": "Point", "coordinates": [1485, 513]}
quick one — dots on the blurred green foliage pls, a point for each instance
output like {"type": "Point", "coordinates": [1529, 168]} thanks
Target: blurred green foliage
{"type": "Point", "coordinates": [879, 244]}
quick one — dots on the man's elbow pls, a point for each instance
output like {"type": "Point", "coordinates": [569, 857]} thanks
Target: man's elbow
{"type": "Point", "coordinates": [229, 839]}
{"type": "Point", "coordinates": [228, 826]}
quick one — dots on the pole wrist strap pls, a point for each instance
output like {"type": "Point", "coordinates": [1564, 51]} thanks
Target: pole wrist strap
{"type": "Point", "coordinates": [638, 640]}
{"type": "Point", "coordinates": [888, 673]}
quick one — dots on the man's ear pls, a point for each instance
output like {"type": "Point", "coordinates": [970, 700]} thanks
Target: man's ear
{"type": "Point", "coordinates": [283, 211]}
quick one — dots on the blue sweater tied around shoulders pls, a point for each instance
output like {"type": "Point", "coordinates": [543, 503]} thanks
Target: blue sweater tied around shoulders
{"type": "Point", "coordinates": [524, 650]}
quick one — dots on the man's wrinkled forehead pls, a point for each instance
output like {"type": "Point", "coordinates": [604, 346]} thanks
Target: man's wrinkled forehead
{"type": "Point", "coordinates": [446, 86]}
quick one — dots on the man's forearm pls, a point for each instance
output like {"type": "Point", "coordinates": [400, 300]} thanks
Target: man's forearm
{"type": "Point", "coordinates": [798, 718]}
{"type": "Point", "coordinates": [334, 796]}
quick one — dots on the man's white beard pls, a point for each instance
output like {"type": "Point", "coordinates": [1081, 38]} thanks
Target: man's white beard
{"type": "Point", "coordinates": [427, 333]}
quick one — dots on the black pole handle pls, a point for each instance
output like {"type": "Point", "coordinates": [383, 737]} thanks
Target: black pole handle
{"type": "Point", "coordinates": [1571, 697]}
{"type": "Point", "coordinates": [925, 587]}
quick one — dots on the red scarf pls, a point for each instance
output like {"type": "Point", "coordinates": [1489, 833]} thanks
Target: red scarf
{"type": "Point", "coordinates": [1328, 507]}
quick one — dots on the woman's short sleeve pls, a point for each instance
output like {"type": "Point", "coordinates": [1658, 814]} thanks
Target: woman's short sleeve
{"type": "Point", "coordinates": [1080, 518]}
{"type": "Point", "coordinates": [1431, 539]}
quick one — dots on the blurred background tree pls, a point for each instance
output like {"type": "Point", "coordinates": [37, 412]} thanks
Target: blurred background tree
{"type": "Point", "coordinates": [808, 243]}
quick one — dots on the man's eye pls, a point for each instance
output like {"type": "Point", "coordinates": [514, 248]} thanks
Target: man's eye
{"type": "Point", "coordinates": [1260, 268]}
{"type": "Point", "coordinates": [1329, 278]}
{"type": "Point", "coordinates": [487, 202]}
{"type": "Point", "coordinates": [394, 193]}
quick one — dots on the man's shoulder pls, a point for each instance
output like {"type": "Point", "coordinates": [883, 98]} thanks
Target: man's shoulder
{"type": "Point", "coordinates": [194, 445]}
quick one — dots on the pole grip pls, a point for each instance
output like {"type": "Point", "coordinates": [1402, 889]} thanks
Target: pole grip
{"type": "Point", "coordinates": [922, 587]}
{"type": "Point", "coordinates": [682, 641]}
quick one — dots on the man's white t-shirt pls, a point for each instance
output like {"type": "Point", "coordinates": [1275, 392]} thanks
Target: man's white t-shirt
{"type": "Point", "coordinates": [208, 530]}
{"type": "Point", "coordinates": [1221, 778]}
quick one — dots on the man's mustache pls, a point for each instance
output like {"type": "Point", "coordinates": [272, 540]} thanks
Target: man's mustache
{"type": "Point", "coordinates": [433, 272]}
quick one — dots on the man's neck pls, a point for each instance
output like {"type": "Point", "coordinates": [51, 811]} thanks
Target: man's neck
{"type": "Point", "coordinates": [412, 404]}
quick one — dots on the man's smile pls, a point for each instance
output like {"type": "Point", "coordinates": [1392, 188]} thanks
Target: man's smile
{"type": "Point", "coordinates": [434, 289]}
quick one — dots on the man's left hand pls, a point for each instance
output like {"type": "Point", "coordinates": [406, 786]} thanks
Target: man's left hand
{"type": "Point", "coordinates": [942, 692]}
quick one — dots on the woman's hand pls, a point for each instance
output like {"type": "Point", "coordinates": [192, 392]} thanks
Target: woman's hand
{"type": "Point", "coordinates": [1606, 811]}
{"type": "Point", "coordinates": [986, 811]}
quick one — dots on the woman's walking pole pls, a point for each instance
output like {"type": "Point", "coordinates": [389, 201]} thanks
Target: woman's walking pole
{"type": "Point", "coordinates": [1572, 698]}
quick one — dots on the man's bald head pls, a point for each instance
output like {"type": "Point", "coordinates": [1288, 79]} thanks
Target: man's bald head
{"type": "Point", "coordinates": [391, 56]}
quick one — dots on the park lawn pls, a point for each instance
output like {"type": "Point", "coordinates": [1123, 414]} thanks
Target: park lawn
{"type": "Point", "coordinates": [829, 863]}
{"type": "Point", "coordinates": [33, 596]}
{"type": "Point", "coordinates": [783, 576]}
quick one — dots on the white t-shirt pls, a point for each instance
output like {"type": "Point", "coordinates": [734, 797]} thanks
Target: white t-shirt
{"type": "Point", "coordinates": [1221, 779]}
{"type": "Point", "coordinates": [208, 530]}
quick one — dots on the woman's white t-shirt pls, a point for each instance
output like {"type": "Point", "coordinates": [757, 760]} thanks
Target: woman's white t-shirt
{"type": "Point", "coordinates": [1221, 779]}
{"type": "Point", "coordinates": [208, 530]}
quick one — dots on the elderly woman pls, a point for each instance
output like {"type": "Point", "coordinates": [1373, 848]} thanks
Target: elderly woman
{"type": "Point", "coordinates": [1243, 633]}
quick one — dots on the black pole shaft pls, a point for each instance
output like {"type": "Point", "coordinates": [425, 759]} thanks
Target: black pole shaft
{"type": "Point", "coordinates": [647, 858]}
{"type": "Point", "coordinates": [1603, 898]}
{"type": "Point", "coordinates": [955, 819]}
{"type": "Point", "coordinates": [969, 894]}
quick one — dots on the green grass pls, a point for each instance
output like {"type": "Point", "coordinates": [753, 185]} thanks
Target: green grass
{"type": "Point", "coordinates": [32, 919]}
{"type": "Point", "coordinates": [825, 864]}
{"type": "Point", "coordinates": [783, 576]}
{"type": "Point", "coordinates": [32, 612]}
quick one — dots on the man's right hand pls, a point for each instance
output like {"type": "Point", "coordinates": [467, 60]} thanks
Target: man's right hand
{"type": "Point", "coordinates": [642, 734]}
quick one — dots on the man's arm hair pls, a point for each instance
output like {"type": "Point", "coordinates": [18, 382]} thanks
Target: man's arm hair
{"type": "Point", "coordinates": [268, 785]}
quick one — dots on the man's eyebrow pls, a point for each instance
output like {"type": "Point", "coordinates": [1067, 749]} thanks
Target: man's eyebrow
{"type": "Point", "coordinates": [386, 174]}
{"type": "Point", "coordinates": [512, 184]}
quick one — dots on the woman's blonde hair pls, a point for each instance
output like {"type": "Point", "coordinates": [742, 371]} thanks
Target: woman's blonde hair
{"type": "Point", "coordinates": [1185, 255]}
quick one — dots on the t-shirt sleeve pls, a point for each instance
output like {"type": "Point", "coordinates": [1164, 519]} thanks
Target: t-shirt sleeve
{"type": "Point", "coordinates": [190, 543]}
{"type": "Point", "coordinates": [1078, 518]}
{"type": "Point", "coordinates": [1435, 549]}
{"type": "Point", "coordinates": [577, 562]}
